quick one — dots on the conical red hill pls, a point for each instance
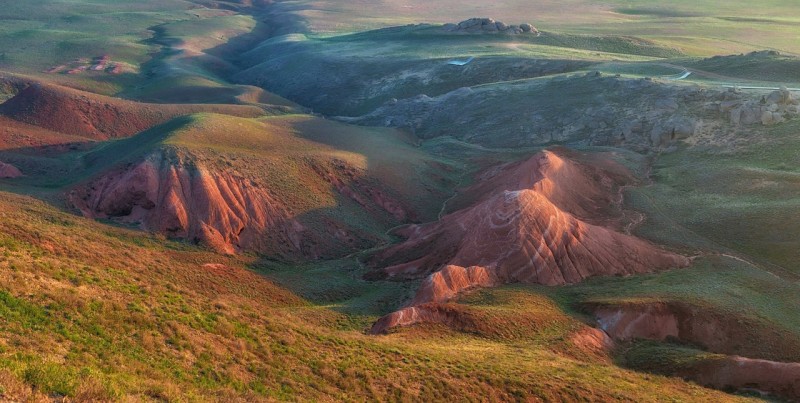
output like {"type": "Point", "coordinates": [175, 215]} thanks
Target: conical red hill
{"type": "Point", "coordinates": [520, 236]}
{"type": "Point", "coordinates": [524, 236]}
{"type": "Point", "coordinates": [584, 185]}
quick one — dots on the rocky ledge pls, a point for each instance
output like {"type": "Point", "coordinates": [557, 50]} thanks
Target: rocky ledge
{"type": "Point", "coordinates": [488, 25]}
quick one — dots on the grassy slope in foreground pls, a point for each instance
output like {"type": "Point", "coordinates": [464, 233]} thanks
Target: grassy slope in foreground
{"type": "Point", "coordinates": [158, 320]}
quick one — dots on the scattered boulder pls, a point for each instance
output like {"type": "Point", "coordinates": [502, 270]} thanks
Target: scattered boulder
{"type": "Point", "coordinates": [488, 25]}
{"type": "Point", "coordinates": [781, 96]}
{"type": "Point", "coordinates": [746, 114]}
{"type": "Point", "coordinates": [771, 118]}
{"type": "Point", "coordinates": [675, 128]}
{"type": "Point", "coordinates": [729, 105]}
{"type": "Point", "coordinates": [9, 171]}
{"type": "Point", "coordinates": [773, 108]}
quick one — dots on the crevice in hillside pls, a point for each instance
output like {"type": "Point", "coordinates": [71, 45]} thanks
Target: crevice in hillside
{"type": "Point", "coordinates": [738, 352]}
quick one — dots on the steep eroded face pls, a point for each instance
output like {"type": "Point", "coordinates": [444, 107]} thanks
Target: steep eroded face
{"type": "Point", "coordinates": [521, 235]}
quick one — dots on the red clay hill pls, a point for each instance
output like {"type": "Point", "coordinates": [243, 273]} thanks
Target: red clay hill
{"type": "Point", "coordinates": [242, 185]}
{"type": "Point", "coordinates": [219, 209]}
{"type": "Point", "coordinates": [532, 226]}
{"type": "Point", "coordinates": [92, 116]}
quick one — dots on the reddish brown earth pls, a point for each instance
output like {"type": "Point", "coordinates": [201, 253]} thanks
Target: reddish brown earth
{"type": "Point", "coordinates": [449, 315]}
{"type": "Point", "coordinates": [15, 135]}
{"type": "Point", "coordinates": [585, 185]}
{"type": "Point", "coordinates": [592, 341]}
{"type": "Point", "coordinates": [175, 193]}
{"type": "Point", "coordinates": [518, 234]}
{"type": "Point", "coordinates": [712, 330]}
{"type": "Point", "coordinates": [739, 373]}
{"type": "Point", "coordinates": [97, 117]}
{"type": "Point", "coordinates": [218, 209]}
{"type": "Point", "coordinates": [9, 171]}
{"type": "Point", "coordinates": [716, 332]}
{"type": "Point", "coordinates": [97, 64]}
{"type": "Point", "coordinates": [445, 284]}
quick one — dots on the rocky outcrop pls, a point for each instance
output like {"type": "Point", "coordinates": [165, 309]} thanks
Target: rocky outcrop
{"type": "Point", "coordinates": [488, 25]}
{"type": "Point", "coordinates": [9, 171]}
{"type": "Point", "coordinates": [523, 233]}
{"type": "Point", "coordinates": [773, 108]}
{"type": "Point", "coordinates": [639, 114]}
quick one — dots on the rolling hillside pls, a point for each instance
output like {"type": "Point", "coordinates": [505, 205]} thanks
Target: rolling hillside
{"type": "Point", "coordinates": [269, 200]}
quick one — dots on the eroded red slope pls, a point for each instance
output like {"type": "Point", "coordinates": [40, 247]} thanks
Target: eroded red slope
{"type": "Point", "coordinates": [585, 185]}
{"type": "Point", "coordinates": [219, 209]}
{"type": "Point", "coordinates": [179, 194]}
{"type": "Point", "coordinates": [521, 235]}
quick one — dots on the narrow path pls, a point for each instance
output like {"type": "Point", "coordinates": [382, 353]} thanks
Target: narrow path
{"type": "Point", "coordinates": [725, 81]}
{"type": "Point", "coordinates": [456, 192]}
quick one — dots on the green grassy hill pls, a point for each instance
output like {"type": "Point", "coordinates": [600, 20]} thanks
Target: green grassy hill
{"type": "Point", "coordinates": [155, 320]}
{"type": "Point", "coordinates": [96, 310]}
{"type": "Point", "coordinates": [700, 28]}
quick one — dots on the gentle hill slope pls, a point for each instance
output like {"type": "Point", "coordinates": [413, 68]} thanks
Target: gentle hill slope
{"type": "Point", "coordinates": [98, 117]}
{"type": "Point", "coordinates": [254, 185]}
